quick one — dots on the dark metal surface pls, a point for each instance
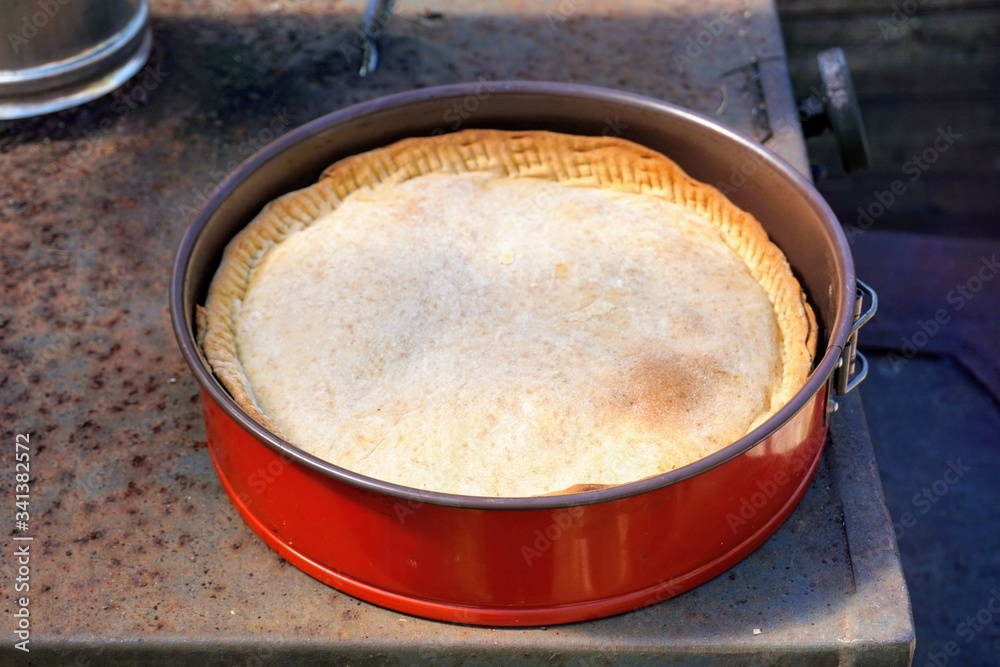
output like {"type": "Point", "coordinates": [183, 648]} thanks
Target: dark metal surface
{"type": "Point", "coordinates": [141, 559]}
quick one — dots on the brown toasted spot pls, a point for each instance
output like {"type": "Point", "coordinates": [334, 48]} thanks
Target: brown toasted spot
{"type": "Point", "coordinates": [660, 390]}
{"type": "Point", "coordinates": [562, 271]}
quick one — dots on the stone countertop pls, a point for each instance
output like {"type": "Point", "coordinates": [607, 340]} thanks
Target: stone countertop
{"type": "Point", "coordinates": [137, 555]}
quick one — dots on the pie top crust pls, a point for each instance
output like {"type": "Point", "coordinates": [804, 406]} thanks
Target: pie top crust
{"type": "Point", "coordinates": [507, 314]}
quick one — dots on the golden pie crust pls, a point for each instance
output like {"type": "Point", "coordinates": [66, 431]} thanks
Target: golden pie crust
{"type": "Point", "coordinates": [507, 314]}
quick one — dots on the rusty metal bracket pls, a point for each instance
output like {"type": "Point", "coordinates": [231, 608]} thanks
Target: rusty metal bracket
{"type": "Point", "coordinates": [754, 88]}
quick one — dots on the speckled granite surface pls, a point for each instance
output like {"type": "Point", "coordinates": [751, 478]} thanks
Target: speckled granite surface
{"type": "Point", "coordinates": [137, 556]}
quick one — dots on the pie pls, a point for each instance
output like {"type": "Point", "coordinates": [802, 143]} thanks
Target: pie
{"type": "Point", "coordinates": [507, 314]}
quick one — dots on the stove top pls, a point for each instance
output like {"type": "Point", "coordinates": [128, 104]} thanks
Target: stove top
{"type": "Point", "coordinates": [137, 555]}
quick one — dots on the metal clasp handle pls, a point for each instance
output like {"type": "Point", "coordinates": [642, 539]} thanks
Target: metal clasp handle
{"type": "Point", "coordinates": [852, 367]}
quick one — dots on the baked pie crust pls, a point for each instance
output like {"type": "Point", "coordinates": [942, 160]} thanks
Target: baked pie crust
{"type": "Point", "coordinates": [507, 314]}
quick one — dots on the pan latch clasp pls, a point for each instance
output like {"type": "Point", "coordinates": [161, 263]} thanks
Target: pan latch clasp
{"type": "Point", "coordinates": [852, 367]}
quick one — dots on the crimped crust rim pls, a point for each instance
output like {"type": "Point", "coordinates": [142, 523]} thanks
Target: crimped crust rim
{"type": "Point", "coordinates": [579, 161]}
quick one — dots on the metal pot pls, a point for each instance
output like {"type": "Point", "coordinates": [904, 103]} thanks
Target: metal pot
{"type": "Point", "coordinates": [541, 560]}
{"type": "Point", "coordinates": [61, 53]}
